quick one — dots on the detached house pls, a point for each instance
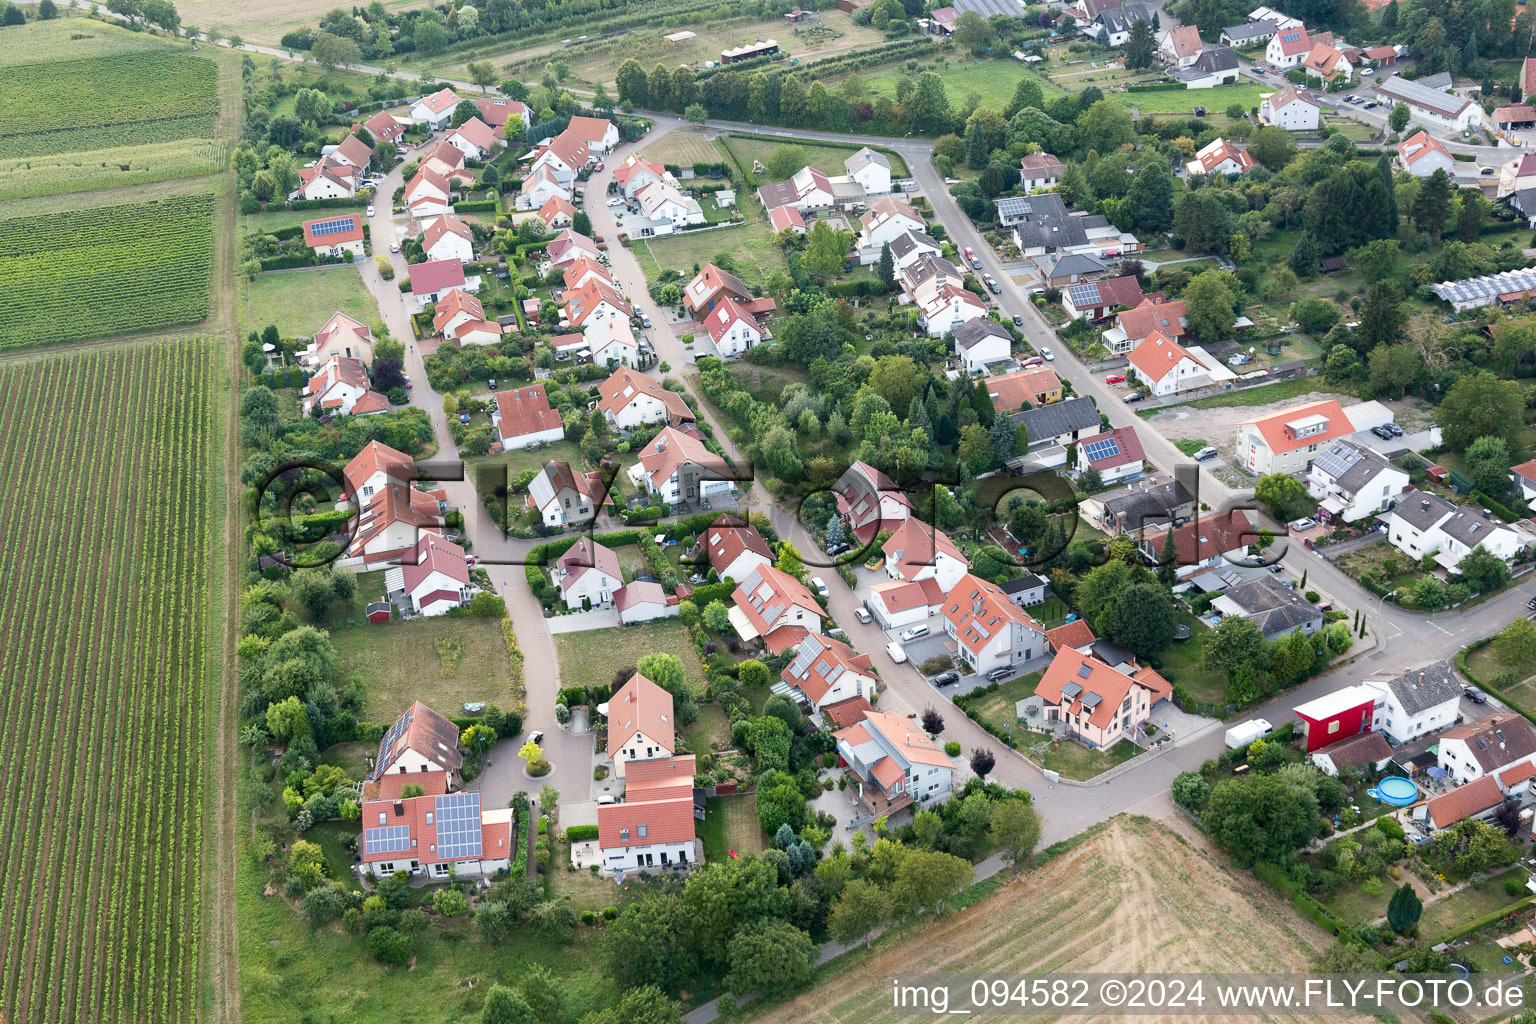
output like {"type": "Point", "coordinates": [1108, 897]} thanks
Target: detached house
{"type": "Point", "coordinates": [980, 343]}
{"type": "Point", "coordinates": [1011, 392]}
{"type": "Point", "coordinates": [1350, 482]}
{"type": "Point", "coordinates": [1288, 442]}
{"type": "Point", "coordinates": [772, 605]}
{"type": "Point", "coordinates": [667, 208]}
{"type": "Point", "coordinates": [556, 213]}
{"type": "Point", "coordinates": [1523, 476]}
{"type": "Point", "coordinates": [598, 134]}
{"type": "Point", "coordinates": [436, 110]}
{"type": "Point", "coordinates": [917, 551]}
{"type": "Point", "coordinates": [1215, 66]}
{"type": "Point", "coordinates": [499, 112]}
{"type": "Point", "coordinates": [1271, 605]}
{"type": "Point", "coordinates": [1326, 62]}
{"type": "Point", "coordinates": [1421, 154]}
{"type": "Point", "coordinates": [894, 764]}
{"type": "Point", "coordinates": [735, 548]}
{"type": "Point", "coordinates": [630, 399]}
{"type": "Point", "coordinates": [1206, 542]}
{"type": "Point", "coordinates": [1168, 368]}
{"type": "Point", "coordinates": [374, 467]}
{"type": "Point", "coordinates": [990, 630]}
{"type": "Point", "coordinates": [643, 601]}
{"type": "Point", "coordinates": [588, 575]}
{"type": "Point", "coordinates": [541, 187]}
{"type": "Point", "coordinates": [459, 317]}
{"type": "Point", "coordinates": [902, 603]}
{"type": "Point", "coordinates": [640, 724]}
{"type": "Point", "coordinates": [434, 577]}
{"type": "Point", "coordinates": [441, 836]}
{"type": "Point", "coordinates": [1487, 747]}
{"type": "Point", "coordinates": [422, 749]}
{"type": "Point", "coordinates": [1179, 46]}
{"type": "Point", "coordinates": [888, 219]}
{"type": "Point", "coordinates": [1098, 704]}
{"type": "Point", "coordinates": [636, 172]}
{"type": "Point", "coordinates": [653, 826]}
{"type": "Point", "coordinates": [1051, 427]}
{"type": "Point", "coordinates": [341, 388]}
{"type": "Point", "coordinates": [676, 469]}
{"type": "Point", "coordinates": [909, 248]}
{"type": "Point", "coordinates": [563, 496]}
{"type": "Point", "coordinates": [475, 139]}
{"type": "Point", "coordinates": [332, 236]}
{"type": "Point", "coordinates": [1220, 157]}
{"type": "Point", "coordinates": [428, 194]}
{"type": "Point", "coordinates": [1115, 455]}
{"type": "Point", "coordinates": [329, 178]}
{"type": "Point", "coordinates": [870, 501]}
{"type": "Point", "coordinates": [733, 328]}
{"type": "Point", "coordinates": [1288, 47]}
{"type": "Point", "coordinates": [711, 285]}
{"type": "Point", "coordinates": [522, 417]}
{"type": "Point", "coordinates": [341, 336]}
{"type": "Point", "coordinates": [1134, 326]}
{"type": "Point", "coordinates": [1423, 523]}
{"type": "Point", "coordinates": [826, 671]}
{"type": "Point", "coordinates": [434, 279]}
{"type": "Point", "coordinates": [392, 521]}
{"type": "Point", "coordinates": [1039, 170]}
{"type": "Point", "coordinates": [385, 127]}
{"type": "Point", "coordinates": [1097, 299]}
{"type": "Point", "coordinates": [871, 170]}
{"type": "Point", "coordinates": [562, 159]}
{"type": "Point", "coordinates": [569, 246]}
{"type": "Point", "coordinates": [1418, 702]}
{"type": "Point", "coordinates": [1290, 109]}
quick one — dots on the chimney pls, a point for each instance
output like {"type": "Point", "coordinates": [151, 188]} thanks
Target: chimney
{"type": "Point", "coordinates": [1421, 678]}
{"type": "Point", "coordinates": [1424, 505]}
{"type": "Point", "coordinates": [399, 808]}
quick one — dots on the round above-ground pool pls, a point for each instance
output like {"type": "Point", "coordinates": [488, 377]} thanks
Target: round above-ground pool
{"type": "Point", "coordinates": [1396, 790]}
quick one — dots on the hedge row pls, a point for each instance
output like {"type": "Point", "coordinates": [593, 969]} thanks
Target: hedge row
{"type": "Point", "coordinates": [476, 206]}
{"type": "Point", "coordinates": [330, 204]}
{"type": "Point", "coordinates": [580, 833]}
{"type": "Point", "coordinates": [1479, 923]}
{"type": "Point", "coordinates": [1277, 878]}
{"type": "Point", "coordinates": [1497, 508]}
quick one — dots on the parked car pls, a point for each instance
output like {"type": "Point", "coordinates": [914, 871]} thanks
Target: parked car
{"type": "Point", "coordinates": [491, 383]}
{"type": "Point", "coordinates": [408, 383]}
{"type": "Point", "coordinates": [1488, 170]}
{"type": "Point", "coordinates": [1382, 432]}
{"type": "Point", "coordinates": [1048, 355]}
{"type": "Point", "coordinates": [537, 736]}
{"type": "Point", "coordinates": [1367, 72]}
{"type": "Point", "coordinates": [615, 201]}
{"type": "Point", "coordinates": [1115, 378]}
{"type": "Point", "coordinates": [1208, 452]}
{"type": "Point", "coordinates": [992, 285]}
{"type": "Point", "coordinates": [599, 167]}
{"type": "Point", "coordinates": [946, 679]}
{"type": "Point", "coordinates": [997, 675]}
{"type": "Point", "coordinates": [1018, 321]}
{"type": "Point", "coordinates": [394, 246]}
{"type": "Point", "coordinates": [970, 254]}
{"type": "Point", "coordinates": [1371, 104]}
{"type": "Point", "coordinates": [861, 615]}
{"type": "Point", "coordinates": [1475, 695]}
{"type": "Point", "coordinates": [897, 655]}
{"type": "Point", "coordinates": [1394, 429]}
{"type": "Point", "coordinates": [908, 635]}
{"type": "Point", "coordinates": [1032, 361]}
{"type": "Point", "coordinates": [1133, 397]}
{"type": "Point", "coordinates": [645, 321]}
{"type": "Point", "coordinates": [1301, 524]}
{"type": "Point", "coordinates": [819, 585]}
{"type": "Point", "coordinates": [370, 209]}
{"type": "Point", "coordinates": [1531, 604]}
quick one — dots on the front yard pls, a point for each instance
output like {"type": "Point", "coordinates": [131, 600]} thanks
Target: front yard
{"type": "Point", "coordinates": [1380, 567]}
{"type": "Point", "coordinates": [996, 708]}
{"type": "Point", "coordinates": [749, 246]}
{"type": "Point", "coordinates": [1075, 761]}
{"type": "Point", "coordinates": [593, 656]}
{"type": "Point", "coordinates": [446, 661]}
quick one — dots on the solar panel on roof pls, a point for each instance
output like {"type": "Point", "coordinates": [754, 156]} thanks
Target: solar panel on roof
{"type": "Point", "coordinates": [458, 826]}
{"type": "Point", "coordinates": [1105, 449]}
{"type": "Point", "coordinates": [1083, 295]}
{"type": "Point", "coordinates": [332, 227]}
{"type": "Point", "coordinates": [392, 839]}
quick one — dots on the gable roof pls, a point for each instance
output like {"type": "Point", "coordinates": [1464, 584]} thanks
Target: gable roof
{"type": "Point", "coordinates": [582, 302]}
{"type": "Point", "coordinates": [451, 305]}
{"type": "Point", "coordinates": [1040, 165]}
{"type": "Point", "coordinates": [1138, 509]}
{"type": "Point", "coordinates": [477, 133]}
{"type": "Point", "coordinates": [904, 595]}
{"type": "Point", "coordinates": [1010, 391]}
{"type": "Point", "coordinates": [554, 477]}
{"type": "Point", "coordinates": [902, 735]}
{"type": "Point", "coordinates": [1279, 436]}
{"type": "Point", "coordinates": [711, 279]}
{"type": "Point", "coordinates": [864, 158]}
{"type": "Point", "coordinates": [978, 610]}
{"type": "Point", "coordinates": [496, 111]}
{"type": "Point", "coordinates": [423, 730]}
{"type": "Point", "coordinates": [1126, 449]}
{"type": "Point", "coordinates": [1218, 151]}
{"type": "Point", "coordinates": [587, 555]}
{"type": "Point", "coordinates": [1117, 291]}
{"type": "Point", "coordinates": [625, 384]}
{"type": "Point", "coordinates": [354, 150]}
{"type": "Point", "coordinates": [377, 457]}
{"type": "Point", "coordinates": [1496, 741]}
{"type": "Point", "coordinates": [848, 712]}
{"type": "Point", "coordinates": [1045, 421]}
{"type": "Point", "coordinates": [1357, 751]}
{"type": "Point", "coordinates": [633, 165]}
{"type": "Point", "coordinates": [384, 125]}
{"type": "Point", "coordinates": [1419, 145]}
{"type": "Point", "coordinates": [767, 593]}
{"type": "Point", "coordinates": [1323, 58]}
{"type": "Point", "coordinates": [340, 323]}
{"type": "Point", "coordinates": [436, 275]}
{"type": "Point", "coordinates": [671, 449]}
{"type": "Point", "coordinates": [1464, 801]}
{"type": "Point", "coordinates": [782, 217]}
{"type": "Point", "coordinates": [885, 209]}
{"type": "Point", "coordinates": [819, 662]}
{"type": "Point", "coordinates": [525, 410]}
{"type": "Point", "coordinates": [641, 592]}
{"type": "Point", "coordinates": [1158, 356]}
{"type": "Point", "coordinates": [445, 224]}
{"type": "Point", "coordinates": [435, 829]}
{"type": "Point", "coordinates": [1294, 41]}
{"type": "Point", "coordinates": [1076, 633]}
{"type": "Point", "coordinates": [348, 228]}
{"type": "Point", "coordinates": [728, 538]}
{"type": "Point", "coordinates": [973, 332]}
{"type": "Point", "coordinates": [1215, 59]}
{"type": "Point", "coordinates": [1183, 41]}
{"type": "Point", "coordinates": [1420, 689]}
{"type": "Point", "coordinates": [1082, 683]}
{"type": "Point", "coordinates": [639, 706]}
{"type": "Point", "coordinates": [425, 178]}
{"type": "Point", "coordinates": [1290, 94]}
{"type": "Point", "coordinates": [589, 129]}
{"type": "Point", "coordinates": [1417, 94]}
{"type": "Point", "coordinates": [1351, 466]}
{"type": "Point", "coordinates": [652, 812]}
{"type": "Point", "coordinates": [1271, 605]}
{"type": "Point", "coordinates": [1525, 471]}
{"type": "Point", "coordinates": [914, 545]}
{"type": "Point", "coordinates": [1166, 318]}
{"type": "Point", "coordinates": [444, 99]}
{"type": "Point", "coordinates": [727, 313]}
{"type": "Point", "coordinates": [435, 554]}
{"type": "Point", "coordinates": [1208, 536]}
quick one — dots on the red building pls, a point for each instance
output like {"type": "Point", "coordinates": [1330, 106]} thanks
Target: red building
{"type": "Point", "coordinates": [1337, 716]}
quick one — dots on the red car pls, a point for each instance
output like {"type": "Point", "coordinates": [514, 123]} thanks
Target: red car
{"type": "Point", "coordinates": [1114, 378]}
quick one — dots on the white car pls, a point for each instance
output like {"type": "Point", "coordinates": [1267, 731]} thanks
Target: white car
{"type": "Point", "coordinates": [897, 655]}
{"type": "Point", "coordinates": [394, 246]}
{"type": "Point", "coordinates": [370, 210]}
{"type": "Point", "coordinates": [819, 585]}
{"type": "Point", "coordinates": [615, 202]}
{"type": "Point", "coordinates": [1368, 71]}
{"type": "Point", "coordinates": [861, 614]}
{"type": "Point", "coordinates": [1048, 355]}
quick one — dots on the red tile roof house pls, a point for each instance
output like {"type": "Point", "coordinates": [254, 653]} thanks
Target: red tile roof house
{"type": "Point", "coordinates": [434, 578]}
{"type": "Point", "coordinates": [336, 235]}
{"type": "Point", "coordinates": [900, 603]}
{"type": "Point", "coordinates": [1205, 542]}
{"type": "Point", "coordinates": [341, 388]}
{"type": "Point", "coordinates": [436, 836]}
{"type": "Point", "coordinates": [341, 336]}
{"type": "Point", "coordinates": [1097, 299]}
{"type": "Point", "coordinates": [1524, 477]}
{"type": "Point", "coordinates": [991, 631]}
{"type": "Point", "coordinates": [630, 399]}
{"type": "Point", "coordinates": [428, 193]}
{"type": "Point", "coordinates": [446, 237]}
{"type": "Point", "coordinates": [712, 284]}
{"type": "Point", "coordinates": [499, 112]}
{"type": "Point", "coordinates": [422, 746]}
{"type": "Point", "coordinates": [557, 212]}
{"type": "Point", "coordinates": [676, 469]}
{"type": "Point", "coordinates": [1116, 455]}
{"type": "Point", "coordinates": [870, 501]}
{"type": "Point", "coordinates": [775, 606]}
{"type": "Point", "coordinates": [653, 826]}
{"type": "Point", "coordinates": [642, 601]}
{"type": "Point", "coordinates": [735, 548]}
{"type": "Point", "coordinates": [475, 139]}
{"type": "Point", "coordinates": [568, 247]}
{"type": "Point", "coordinates": [827, 671]}
{"type": "Point", "coordinates": [1134, 326]}
{"type": "Point", "coordinates": [732, 328]}
{"type": "Point", "coordinates": [1099, 705]}
{"type": "Point", "coordinates": [433, 280]}
{"type": "Point", "coordinates": [917, 551]}
{"type": "Point", "coordinates": [635, 173]}
{"type": "Point", "coordinates": [564, 497]}
{"type": "Point", "coordinates": [640, 724]}
{"type": "Point", "coordinates": [1039, 170]}
{"type": "Point", "coordinates": [588, 574]}
{"type": "Point", "coordinates": [392, 521]}
{"type": "Point", "coordinates": [329, 178]}
{"type": "Point", "coordinates": [458, 316]}
{"type": "Point", "coordinates": [373, 467]}
{"type": "Point", "coordinates": [385, 127]}
{"type": "Point", "coordinates": [1478, 799]}
{"type": "Point", "coordinates": [523, 417]}
{"type": "Point", "coordinates": [893, 763]}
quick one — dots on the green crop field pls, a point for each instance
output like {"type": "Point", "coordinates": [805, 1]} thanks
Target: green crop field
{"type": "Point", "coordinates": [106, 102]}
{"type": "Point", "coordinates": [103, 679]}
{"type": "Point", "coordinates": [994, 80]}
{"type": "Point", "coordinates": [26, 176]}
{"type": "Point", "coordinates": [72, 39]}
{"type": "Point", "coordinates": [107, 270]}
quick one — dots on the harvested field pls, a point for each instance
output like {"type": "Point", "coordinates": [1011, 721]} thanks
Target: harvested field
{"type": "Point", "coordinates": [1137, 897]}
{"type": "Point", "coordinates": [268, 21]}
{"type": "Point", "coordinates": [684, 146]}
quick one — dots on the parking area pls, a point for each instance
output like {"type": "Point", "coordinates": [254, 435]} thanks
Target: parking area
{"type": "Point", "coordinates": [1418, 441]}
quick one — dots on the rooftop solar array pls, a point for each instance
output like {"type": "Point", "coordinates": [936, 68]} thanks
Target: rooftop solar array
{"type": "Point", "coordinates": [458, 826]}
{"type": "Point", "coordinates": [1488, 286]}
{"type": "Point", "coordinates": [387, 745]}
{"type": "Point", "coordinates": [392, 839]}
{"type": "Point", "coordinates": [1338, 459]}
{"type": "Point", "coordinates": [336, 226]}
{"type": "Point", "coordinates": [1105, 449]}
{"type": "Point", "coordinates": [1084, 295]}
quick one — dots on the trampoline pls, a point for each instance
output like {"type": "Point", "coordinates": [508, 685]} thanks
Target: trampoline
{"type": "Point", "coordinates": [1396, 790]}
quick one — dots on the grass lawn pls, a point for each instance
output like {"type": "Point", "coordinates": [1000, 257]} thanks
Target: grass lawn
{"type": "Point", "coordinates": [1352, 129]}
{"type": "Point", "coordinates": [1357, 906]}
{"type": "Point", "coordinates": [300, 301]}
{"type": "Point", "coordinates": [997, 707]}
{"type": "Point", "coordinates": [332, 835]}
{"type": "Point", "coordinates": [1075, 761]}
{"type": "Point", "coordinates": [1184, 101]}
{"type": "Point", "coordinates": [1486, 664]}
{"type": "Point", "coordinates": [994, 80]}
{"type": "Point", "coordinates": [749, 245]}
{"type": "Point", "coordinates": [370, 588]}
{"type": "Point", "coordinates": [350, 756]}
{"type": "Point", "coordinates": [1487, 957]}
{"type": "Point", "coordinates": [730, 823]}
{"type": "Point", "coordinates": [709, 728]}
{"type": "Point", "coordinates": [767, 383]}
{"type": "Point", "coordinates": [276, 220]}
{"type": "Point", "coordinates": [586, 890]}
{"type": "Point", "coordinates": [513, 463]}
{"type": "Point", "coordinates": [684, 147]}
{"type": "Point", "coordinates": [1078, 76]}
{"type": "Point", "coordinates": [1467, 905]}
{"type": "Point", "coordinates": [826, 158]}
{"type": "Point", "coordinates": [1182, 667]}
{"type": "Point", "coordinates": [593, 656]}
{"type": "Point", "coordinates": [402, 662]}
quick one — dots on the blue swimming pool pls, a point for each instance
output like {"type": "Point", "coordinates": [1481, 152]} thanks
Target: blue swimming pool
{"type": "Point", "coordinates": [1396, 790]}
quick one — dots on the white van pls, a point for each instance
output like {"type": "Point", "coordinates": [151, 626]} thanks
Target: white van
{"type": "Point", "coordinates": [898, 655]}
{"type": "Point", "coordinates": [819, 585]}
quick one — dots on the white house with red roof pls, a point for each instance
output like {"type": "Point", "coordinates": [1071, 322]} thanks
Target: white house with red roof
{"type": "Point", "coordinates": [1288, 47]}
{"type": "Point", "coordinates": [1168, 368]}
{"type": "Point", "coordinates": [341, 388]}
{"type": "Point", "coordinates": [629, 399]}
{"type": "Point", "coordinates": [732, 328]}
{"type": "Point", "coordinates": [992, 632]}
{"type": "Point", "coordinates": [523, 416]}
{"type": "Point", "coordinates": [1421, 154]}
{"type": "Point", "coordinates": [385, 127]}
{"type": "Point", "coordinates": [540, 186]}
{"type": "Point", "coordinates": [709, 286]}
{"type": "Point", "coordinates": [588, 574]}
{"type": "Point", "coordinates": [1133, 326]}
{"type": "Point", "coordinates": [917, 551]}
{"type": "Point", "coordinates": [332, 236]}
{"type": "Point", "coordinates": [595, 300]}
{"type": "Point", "coordinates": [826, 670]}
{"type": "Point", "coordinates": [667, 208]}
{"type": "Point", "coordinates": [1220, 157]}
{"type": "Point", "coordinates": [459, 317]}
{"type": "Point", "coordinates": [1287, 442]}
{"type": "Point", "coordinates": [636, 172]}
{"type": "Point", "coordinates": [1179, 46]}
{"type": "Point", "coordinates": [611, 342]}
{"type": "Point", "coordinates": [569, 246]}
{"type": "Point", "coordinates": [1039, 170]}
{"type": "Point", "coordinates": [434, 577]}
{"type": "Point", "coordinates": [899, 603]}
{"type": "Point", "coordinates": [676, 469]}
{"type": "Point", "coordinates": [1116, 455]}
{"type": "Point", "coordinates": [1290, 109]}
{"type": "Point", "coordinates": [442, 836]}
{"type": "Point", "coordinates": [374, 467]}
{"type": "Point", "coordinates": [653, 826]}
{"type": "Point", "coordinates": [475, 139]}
{"type": "Point", "coordinates": [436, 110]}
{"type": "Point", "coordinates": [556, 213]}
{"type": "Point", "coordinates": [563, 496]}
{"type": "Point", "coordinates": [772, 605]}
{"type": "Point", "coordinates": [1095, 703]}
{"type": "Point", "coordinates": [582, 270]}
{"type": "Point", "coordinates": [498, 112]}
{"type": "Point", "coordinates": [1523, 476]}
{"type": "Point", "coordinates": [644, 600]}
{"type": "Point", "coordinates": [428, 193]}
{"type": "Point", "coordinates": [448, 161]}
{"type": "Point", "coordinates": [786, 218]}
{"type": "Point", "coordinates": [887, 220]}
{"type": "Point", "coordinates": [1489, 746]}
{"type": "Point", "coordinates": [433, 280]}
{"type": "Point", "coordinates": [870, 501]}
{"type": "Point", "coordinates": [422, 747]}
{"type": "Point", "coordinates": [329, 178]}
{"type": "Point", "coordinates": [1326, 62]}
{"type": "Point", "coordinates": [894, 763]}
{"type": "Point", "coordinates": [640, 724]}
{"type": "Point", "coordinates": [735, 548]}
{"type": "Point", "coordinates": [341, 336]}
{"type": "Point", "coordinates": [598, 133]}
{"type": "Point", "coordinates": [446, 237]}
{"type": "Point", "coordinates": [564, 157]}
{"type": "Point", "coordinates": [392, 521]}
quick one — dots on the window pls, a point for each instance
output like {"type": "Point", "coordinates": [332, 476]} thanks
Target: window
{"type": "Point", "coordinates": [429, 817]}
{"type": "Point", "coordinates": [641, 831]}
{"type": "Point", "coordinates": [623, 835]}
{"type": "Point", "coordinates": [381, 819]}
